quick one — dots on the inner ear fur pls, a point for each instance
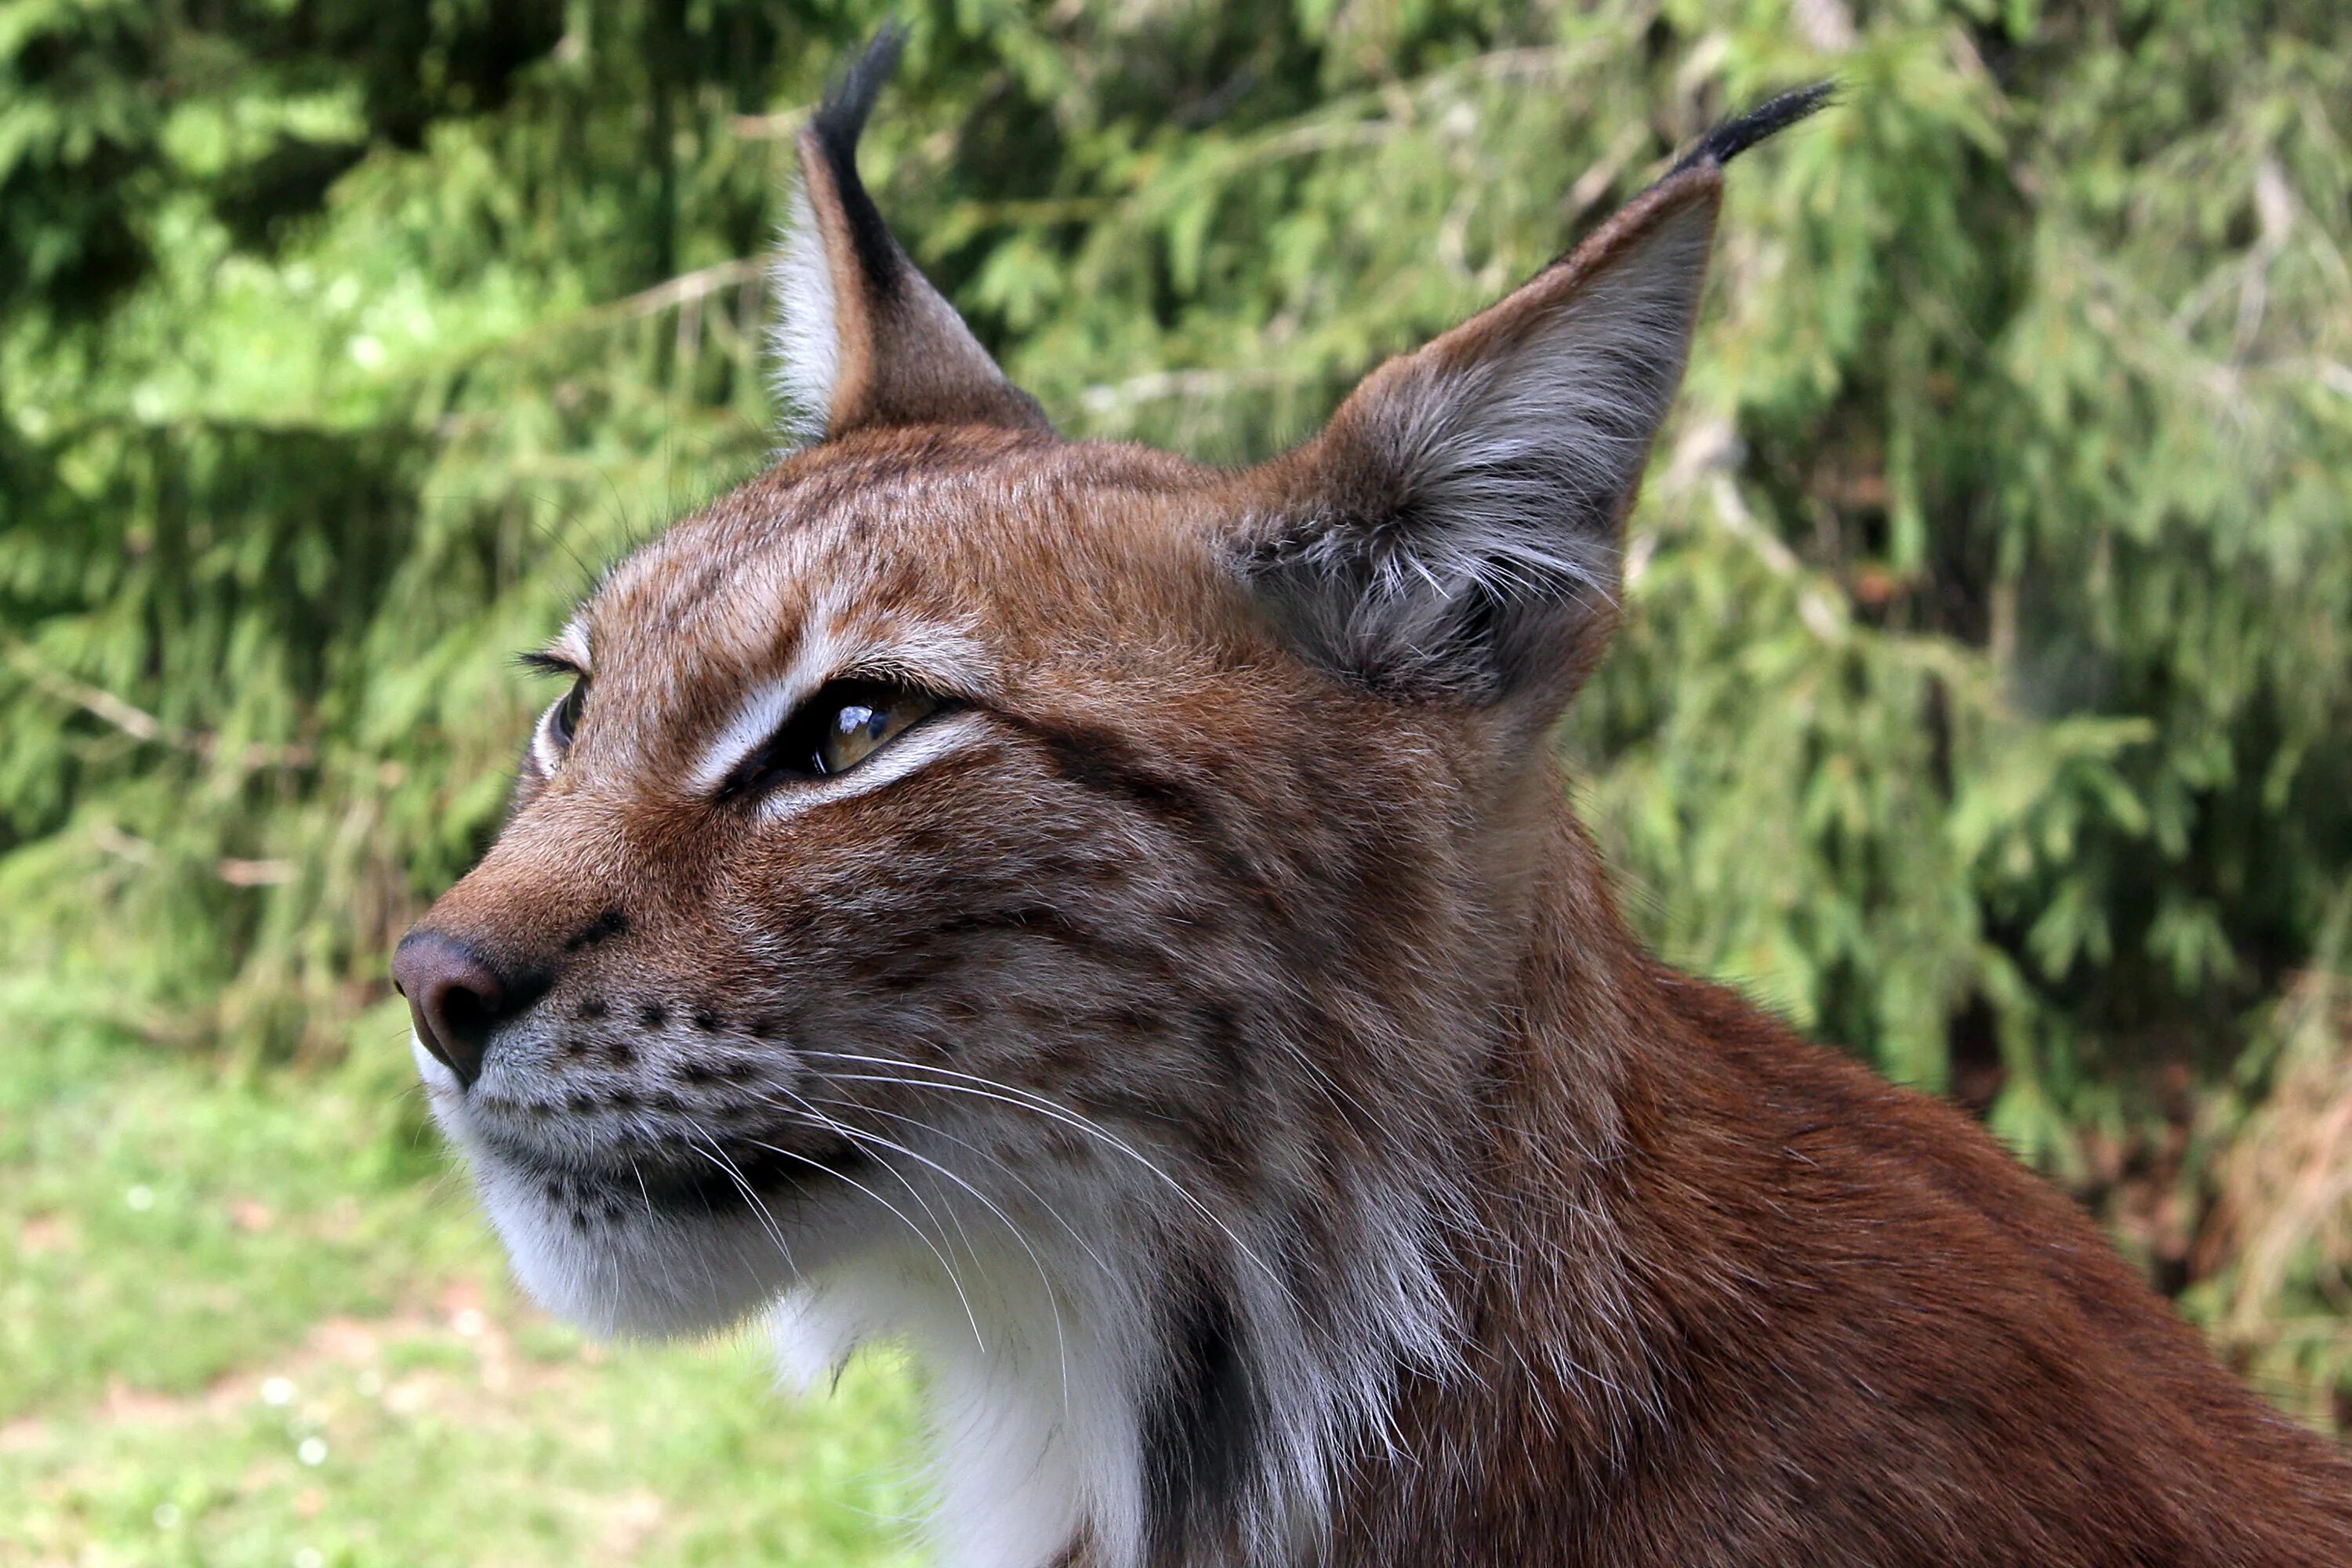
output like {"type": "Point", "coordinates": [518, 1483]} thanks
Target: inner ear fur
{"type": "Point", "coordinates": [863, 339]}
{"type": "Point", "coordinates": [1452, 531]}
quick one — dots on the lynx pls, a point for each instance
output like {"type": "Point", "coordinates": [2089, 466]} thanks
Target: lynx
{"type": "Point", "coordinates": [1116, 925]}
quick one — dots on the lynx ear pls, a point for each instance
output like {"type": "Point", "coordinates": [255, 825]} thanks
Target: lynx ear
{"type": "Point", "coordinates": [1453, 530]}
{"type": "Point", "coordinates": [862, 338]}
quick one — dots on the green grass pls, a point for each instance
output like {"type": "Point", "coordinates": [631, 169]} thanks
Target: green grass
{"type": "Point", "coordinates": [260, 1323]}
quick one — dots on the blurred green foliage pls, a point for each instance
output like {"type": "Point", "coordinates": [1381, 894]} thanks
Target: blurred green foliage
{"type": "Point", "coordinates": [1983, 701]}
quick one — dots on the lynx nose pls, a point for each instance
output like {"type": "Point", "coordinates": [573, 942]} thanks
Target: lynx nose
{"type": "Point", "coordinates": [454, 997]}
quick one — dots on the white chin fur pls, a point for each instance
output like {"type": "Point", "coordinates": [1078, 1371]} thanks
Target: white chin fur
{"type": "Point", "coordinates": [640, 1277]}
{"type": "Point", "coordinates": [635, 1273]}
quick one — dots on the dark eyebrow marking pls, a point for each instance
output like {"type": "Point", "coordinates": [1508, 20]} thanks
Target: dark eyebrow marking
{"type": "Point", "coordinates": [1098, 760]}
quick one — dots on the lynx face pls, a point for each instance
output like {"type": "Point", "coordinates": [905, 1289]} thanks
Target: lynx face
{"type": "Point", "coordinates": [1055, 902]}
{"type": "Point", "coordinates": [740, 1003]}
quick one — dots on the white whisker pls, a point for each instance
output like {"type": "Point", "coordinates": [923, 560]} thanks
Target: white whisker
{"type": "Point", "coordinates": [955, 1280]}
{"type": "Point", "coordinates": [1044, 1278]}
{"type": "Point", "coordinates": [1009, 1094]}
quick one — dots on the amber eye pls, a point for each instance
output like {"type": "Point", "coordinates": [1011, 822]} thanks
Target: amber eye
{"type": "Point", "coordinates": [856, 726]}
{"type": "Point", "coordinates": [564, 717]}
{"type": "Point", "coordinates": [840, 727]}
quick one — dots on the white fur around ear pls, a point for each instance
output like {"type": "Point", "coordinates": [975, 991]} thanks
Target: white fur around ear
{"type": "Point", "coordinates": [804, 342]}
{"type": "Point", "coordinates": [1454, 530]}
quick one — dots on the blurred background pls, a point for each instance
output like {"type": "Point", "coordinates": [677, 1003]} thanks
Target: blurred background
{"type": "Point", "coordinates": [1983, 704]}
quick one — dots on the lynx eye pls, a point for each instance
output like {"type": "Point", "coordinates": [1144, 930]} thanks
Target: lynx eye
{"type": "Point", "coordinates": [564, 717]}
{"type": "Point", "coordinates": [860, 724]}
{"type": "Point", "coordinates": [846, 722]}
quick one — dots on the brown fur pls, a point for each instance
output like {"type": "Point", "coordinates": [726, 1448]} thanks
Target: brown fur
{"type": "Point", "coordinates": [1800, 1316]}
{"type": "Point", "coordinates": [1586, 1262]}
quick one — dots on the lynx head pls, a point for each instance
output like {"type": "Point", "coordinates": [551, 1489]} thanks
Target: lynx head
{"type": "Point", "coordinates": [1052, 899]}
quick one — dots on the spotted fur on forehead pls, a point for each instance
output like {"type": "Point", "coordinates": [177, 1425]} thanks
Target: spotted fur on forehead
{"type": "Point", "coordinates": [943, 523]}
{"type": "Point", "coordinates": [921, 557]}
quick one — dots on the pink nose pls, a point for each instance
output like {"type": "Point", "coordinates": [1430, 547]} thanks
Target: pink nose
{"type": "Point", "coordinates": [454, 995]}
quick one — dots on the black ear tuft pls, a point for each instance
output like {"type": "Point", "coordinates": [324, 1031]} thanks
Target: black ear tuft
{"type": "Point", "coordinates": [862, 338]}
{"type": "Point", "coordinates": [841, 118]}
{"type": "Point", "coordinates": [1733, 137]}
{"type": "Point", "coordinates": [838, 123]}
